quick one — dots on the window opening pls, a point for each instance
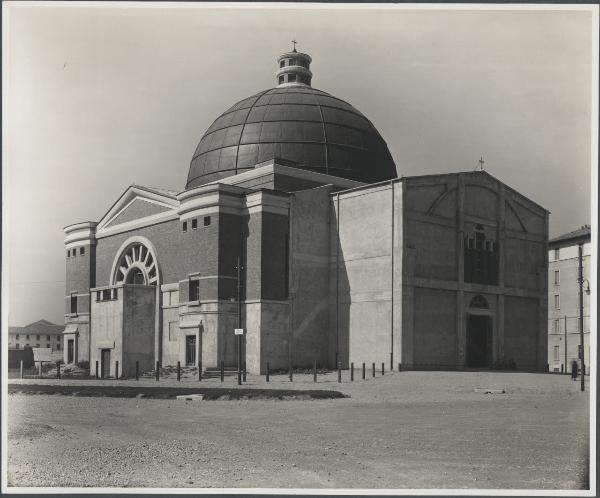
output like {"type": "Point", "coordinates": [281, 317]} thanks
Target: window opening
{"type": "Point", "coordinates": [291, 77]}
{"type": "Point", "coordinates": [556, 302]}
{"type": "Point", "coordinates": [194, 224]}
{"type": "Point", "coordinates": [557, 254]}
{"type": "Point", "coordinates": [206, 221]}
{"type": "Point", "coordinates": [194, 290]}
{"type": "Point", "coordinates": [557, 277]}
{"type": "Point", "coordinates": [82, 250]}
{"type": "Point", "coordinates": [184, 226]}
{"type": "Point", "coordinates": [73, 303]}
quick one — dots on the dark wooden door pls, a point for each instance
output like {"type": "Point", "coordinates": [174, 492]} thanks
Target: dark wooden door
{"type": "Point", "coordinates": [479, 341]}
{"type": "Point", "coordinates": [105, 361]}
{"type": "Point", "coordinates": [70, 350]}
{"type": "Point", "coordinates": [190, 349]}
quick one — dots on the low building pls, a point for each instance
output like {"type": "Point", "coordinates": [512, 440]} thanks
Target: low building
{"type": "Point", "coordinates": [40, 334]}
{"type": "Point", "coordinates": [564, 338]}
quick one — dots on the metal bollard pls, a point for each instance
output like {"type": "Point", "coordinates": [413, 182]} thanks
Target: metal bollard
{"type": "Point", "coordinates": [222, 370]}
{"type": "Point", "coordinates": [157, 371]}
{"type": "Point", "coordinates": [339, 372]}
{"type": "Point", "coordinates": [315, 371]}
{"type": "Point", "coordinates": [382, 368]}
{"type": "Point", "coordinates": [200, 371]}
{"type": "Point", "coordinates": [58, 369]}
{"type": "Point", "coordinates": [373, 369]}
{"type": "Point", "coordinates": [116, 370]}
{"type": "Point", "coordinates": [21, 368]}
{"type": "Point", "coordinates": [96, 368]}
{"type": "Point", "coordinates": [137, 370]}
{"type": "Point", "coordinates": [391, 362]}
{"type": "Point", "coordinates": [179, 371]}
{"type": "Point", "coordinates": [351, 372]}
{"type": "Point", "coordinates": [291, 374]}
{"type": "Point", "coordinates": [364, 371]}
{"type": "Point", "coordinates": [268, 371]}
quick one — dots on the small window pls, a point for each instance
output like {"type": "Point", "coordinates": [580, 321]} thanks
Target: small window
{"type": "Point", "coordinates": [18, 345]}
{"type": "Point", "coordinates": [291, 77]}
{"type": "Point", "coordinates": [194, 224]}
{"type": "Point", "coordinates": [556, 254]}
{"type": "Point", "coordinates": [281, 64]}
{"type": "Point", "coordinates": [106, 295]}
{"type": "Point", "coordinates": [556, 301]}
{"type": "Point", "coordinates": [82, 251]}
{"type": "Point", "coordinates": [69, 253]}
{"type": "Point", "coordinates": [48, 346]}
{"type": "Point", "coordinates": [74, 303]}
{"type": "Point", "coordinates": [184, 226]}
{"type": "Point", "coordinates": [17, 337]}
{"type": "Point", "coordinates": [281, 79]}
{"type": "Point", "coordinates": [292, 62]}
{"type": "Point", "coordinates": [556, 353]}
{"type": "Point", "coordinates": [557, 326]}
{"type": "Point", "coordinates": [557, 277]}
{"type": "Point", "coordinates": [207, 221]}
{"type": "Point", "coordinates": [194, 290]}
{"type": "Point", "coordinates": [27, 337]}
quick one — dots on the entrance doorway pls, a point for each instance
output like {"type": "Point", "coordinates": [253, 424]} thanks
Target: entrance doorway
{"type": "Point", "coordinates": [479, 341]}
{"type": "Point", "coordinates": [190, 350]}
{"type": "Point", "coordinates": [105, 364]}
{"type": "Point", "coordinates": [70, 350]}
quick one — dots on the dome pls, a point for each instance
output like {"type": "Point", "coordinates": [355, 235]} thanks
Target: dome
{"type": "Point", "coordinates": [295, 122]}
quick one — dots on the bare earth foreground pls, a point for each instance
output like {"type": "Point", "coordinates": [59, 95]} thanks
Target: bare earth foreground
{"type": "Point", "coordinates": [403, 430]}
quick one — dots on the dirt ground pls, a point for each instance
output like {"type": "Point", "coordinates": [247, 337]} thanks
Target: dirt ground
{"type": "Point", "coordinates": [403, 430]}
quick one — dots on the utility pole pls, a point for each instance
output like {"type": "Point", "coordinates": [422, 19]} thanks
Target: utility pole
{"type": "Point", "coordinates": [566, 364]}
{"type": "Point", "coordinates": [581, 316]}
{"type": "Point", "coordinates": [239, 303]}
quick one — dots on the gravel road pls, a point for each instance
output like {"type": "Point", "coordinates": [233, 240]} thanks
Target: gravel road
{"type": "Point", "coordinates": [404, 430]}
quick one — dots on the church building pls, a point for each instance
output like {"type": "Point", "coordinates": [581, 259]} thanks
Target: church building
{"type": "Point", "coordinates": [295, 226]}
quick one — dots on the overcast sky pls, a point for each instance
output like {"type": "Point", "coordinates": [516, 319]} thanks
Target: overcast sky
{"type": "Point", "coordinates": [99, 98]}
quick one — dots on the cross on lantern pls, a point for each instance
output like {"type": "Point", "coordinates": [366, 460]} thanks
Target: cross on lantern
{"type": "Point", "coordinates": [481, 163]}
{"type": "Point", "coordinates": [294, 42]}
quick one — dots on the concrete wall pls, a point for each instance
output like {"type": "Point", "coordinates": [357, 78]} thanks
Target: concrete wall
{"type": "Point", "coordinates": [139, 304]}
{"type": "Point", "coordinates": [366, 292]}
{"type": "Point", "coordinates": [106, 331]}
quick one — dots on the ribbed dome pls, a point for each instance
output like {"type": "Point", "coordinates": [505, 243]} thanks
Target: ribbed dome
{"type": "Point", "coordinates": [298, 123]}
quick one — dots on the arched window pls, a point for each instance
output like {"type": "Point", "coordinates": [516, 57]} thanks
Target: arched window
{"type": "Point", "coordinates": [136, 265]}
{"type": "Point", "coordinates": [479, 302]}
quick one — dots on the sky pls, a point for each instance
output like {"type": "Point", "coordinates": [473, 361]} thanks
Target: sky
{"type": "Point", "coordinates": [99, 97]}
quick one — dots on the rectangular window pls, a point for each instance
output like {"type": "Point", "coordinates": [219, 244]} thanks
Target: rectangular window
{"type": "Point", "coordinates": [106, 295]}
{"type": "Point", "coordinates": [82, 250]}
{"type": "Point", "coordinates": [207, 221]}
{"type": "Point", "coordinates": [281, 79]}
{"type": "Point", "coordinates": [17, 337]}
{"type": "Point", "coordinates": [74, 303]}
{"type": "Point", "coordinates": [194, 224]}
{"type": "Point", "coordinates": [556, 302]}
{"type": "Point", "coordinates": [17, 345]}
{"type": "Point", "coordinates": [556, 353]}
{"type": "Point", "coordinates": [556, 277]}
{"type": "Point", "coordinates": [281, 63]}
{"type": "Point", "coordinates": [48, 346]}
{"type": "Point", "coordinates": [291, 77]}
{"type": "Point", "coordinates": [27, 337]}
{"type": "Point", "coordinates": [194, 290]}
{"type": "Point", "coordinates": [69, 253]}
{"type": "Point", "coordinates": [556, 254]}
{"type": "Point", "coordinates": [292, 62]}
{"type": "Point", "coordinates": [557, 326]}
{"type": "Point", "coordinates": [184, 226]}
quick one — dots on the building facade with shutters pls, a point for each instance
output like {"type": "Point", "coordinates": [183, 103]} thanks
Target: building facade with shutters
{"type": "Point", "coordinates": [564, 338]}
{"type": "Point", "coordinates": [295, 226]}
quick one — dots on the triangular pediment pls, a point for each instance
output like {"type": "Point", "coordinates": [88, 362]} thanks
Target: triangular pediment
{"type": "Point", "coordinates": [138, 206]}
